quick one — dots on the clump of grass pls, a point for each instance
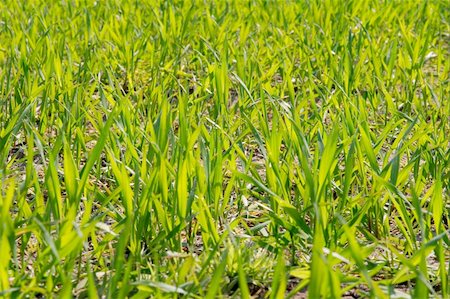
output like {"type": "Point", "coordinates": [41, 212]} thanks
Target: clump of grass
{"type": "Point", "coordinates": [224, 149]}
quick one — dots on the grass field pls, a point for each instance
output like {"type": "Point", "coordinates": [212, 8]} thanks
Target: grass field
{"type": "Point", "coordinates": [207, 149]}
